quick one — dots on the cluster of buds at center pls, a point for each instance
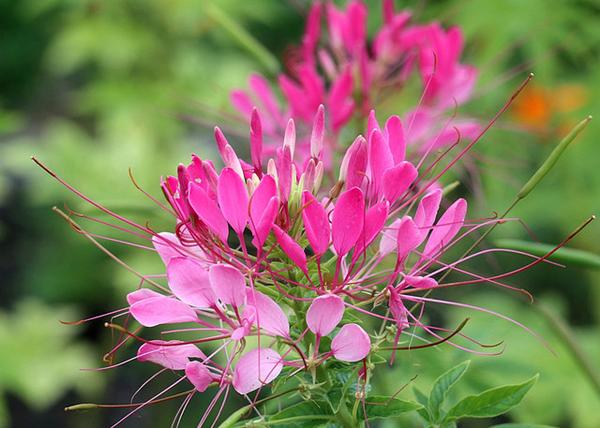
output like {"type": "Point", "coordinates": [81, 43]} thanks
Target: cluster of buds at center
{"type": "Point", "coordinates": [256, 245]}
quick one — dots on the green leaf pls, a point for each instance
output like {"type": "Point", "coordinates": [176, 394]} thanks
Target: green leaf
{"type": "Point", "coordinates": [306, 413]}
{"type": "Point", "coordinates": [379, 406]}
{"type": "Point", "coordinates": [492, 402]}
{"type": "Point", "coordinates": [423, 401]}
{"type": "Point", "coordinates": [442, 385]}
{"type": "Point", "coordinates": [522, 426]}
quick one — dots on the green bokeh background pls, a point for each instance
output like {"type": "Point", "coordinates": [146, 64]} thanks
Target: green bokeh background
{"type": "Point", "coordinates": [94, 87]}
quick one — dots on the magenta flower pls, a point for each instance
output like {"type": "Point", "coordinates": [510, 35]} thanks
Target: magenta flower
{"type": "Point", "coordinates": [339, 67]}
{"type": "Point", "coordinates": [277, 273]}
{"type": "Point", "coordinates": [263, 266]}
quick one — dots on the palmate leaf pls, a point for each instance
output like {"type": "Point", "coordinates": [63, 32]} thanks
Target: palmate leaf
{"type": "Point", "coordinates": [442, 385]}
{"type": "Point", "coordinates": [379, 406]}
{"type": "Point", "coordinates": [492, 402]}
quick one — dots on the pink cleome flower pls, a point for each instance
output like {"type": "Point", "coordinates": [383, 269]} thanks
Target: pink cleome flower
{"type": "Point", "coordinates": [268, 259]}
{"type": "Point", "coordinates": [275, 268]}
{"type": "Point", "coordinates": [340, 67]}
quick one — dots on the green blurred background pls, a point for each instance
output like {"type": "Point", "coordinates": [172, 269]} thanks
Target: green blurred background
{"type": "Point", "coordinates": [94, 87]}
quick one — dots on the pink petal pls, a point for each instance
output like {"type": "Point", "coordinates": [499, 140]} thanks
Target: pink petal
{"type": "Point", "coordinates": [263, 91]}
{"type": "Point", "coordinates": [199, 375]}
{"type": "Point", "coordinates": [241, 101]}
{"type": "Point", "coordinates": [427, 210]}
{"type": "Point", "coordinates": [389, 239]}
{"type": "Point", "coordinates": [230, 158]}
{"type": "Point", "coordinates": [380, 159]}
{"type": "Point", "coordinates": [295, 95]}
{"type": "Point", "coordinates": [141, 294]}
{"type": "Point", "coordinates": [446, 228]}
{"type": "Point", "coordinates": [220, 139]}
{"type": "Point", "coordinates": [372, 123]}
{"type": "Point", "coordinates": [420, 281]}
{"type": "Point", "coordinates": [318, 130]}
{"type": "Point", "coordinates": [291, 248]}
{"type": "Point", "coordinates": [269, 314]}
{"type": "Point", "coordinates": [409, 237]}
{"type": "Point", "coordinates": [341, 105]}
{"type": "Point", "coordinates": [397, 180]}
{"type": "Point", "coordinates": [398, 310]}
{"type": "Point", "coordinates": [316, 223]}
{"type": "Point", "coordinates": [239, 333]}
{"type": "Point", "coordinates": [233, 199]}
{"type": "Point", "coordinates": [388, 11]}
{"type": "Point", "coordinates": [255, 369]}
{"type": "Point", "coordinates": [263, 193]}
{"type": "Point", "coordinates": [284, 172]}
{"type": "Point", "coordinates": [289, 137]}
{"type": "Point", "coordinates": [395, 136]}
{"type": "Point", "coordinates": [262, 229]}
{"type": "Point", "coordinates": [374, 222]}
{"type": "Point", "coordinates": [189, 282]}
{"type": "Point", "coordinates": [256, 140]}
{"type": "Point", "coordinates": [351, 343]}
{"type": "Point", "coordinates": [168, 354]}
{"type": "Point", "coordinates": [161, 310]}
{"type": "Point", "coordinates": [208, 211]}
{"type": "Point", "coordinates": [356, 30]}
{"type": "Point", "coordinates": [348, 220]}
{"type": "Point", "coordinates": [354, 164]}
{"type": "Point", "coordinates": [228, 284]}
{"type": "Point", "coordinates": [308, 176]}
{"type": "Point", "coordinates": [324, 314]}
{"type": "Point", "coordinates": [167, 245]}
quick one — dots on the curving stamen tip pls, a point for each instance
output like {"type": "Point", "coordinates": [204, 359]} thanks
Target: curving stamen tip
{"type": "Point", "coordinates": [531, 75]}
{"type": "Point", "coordinates": [590, 117]}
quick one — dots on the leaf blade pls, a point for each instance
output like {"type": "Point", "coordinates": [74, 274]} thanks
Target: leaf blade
{"type": "Point", "coordinates": [378, 407]}
{"type": "Point", "coordinates": [493, 402]}
{"type": "Point", "coordinates": [442, 386]}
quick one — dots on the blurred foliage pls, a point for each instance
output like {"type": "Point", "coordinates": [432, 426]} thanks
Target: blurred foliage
{"type": "Point", "coordinates": [94, 87]}
{"type": "Point", "coordinates": [40, 359]}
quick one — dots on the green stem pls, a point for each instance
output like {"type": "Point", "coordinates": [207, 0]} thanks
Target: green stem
{"type": "Point", "coordinates": [297, 418]}
{"type": "Point", "coordinates": [243, 38]}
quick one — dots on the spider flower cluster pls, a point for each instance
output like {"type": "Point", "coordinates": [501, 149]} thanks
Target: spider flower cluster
{"type": "Point", "coordinates": [339, 66]}
{"type": "Point", "coordinates": [312, 253]}
{"type": "Point", "coordinates": [276, 274]}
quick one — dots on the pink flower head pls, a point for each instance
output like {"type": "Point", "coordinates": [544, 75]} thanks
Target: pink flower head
{"type": "Point", "coordinates": [291, 236]}
{"type": "Point", "coordinates": [337, 61]}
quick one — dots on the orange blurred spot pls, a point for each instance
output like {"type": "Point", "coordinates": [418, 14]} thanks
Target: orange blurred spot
{"type": "Point", "coordinates": [537, 106]}
{"type": "Point", "coordinates": [533, 108]}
